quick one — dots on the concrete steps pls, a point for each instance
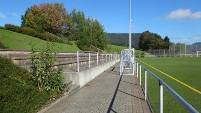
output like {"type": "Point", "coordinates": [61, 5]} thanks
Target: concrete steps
{"type": "Point", "coordinates": [70, 88]}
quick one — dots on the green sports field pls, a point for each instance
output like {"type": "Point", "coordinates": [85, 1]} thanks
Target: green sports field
{"type": "Point", "coordinates": [186, 70]}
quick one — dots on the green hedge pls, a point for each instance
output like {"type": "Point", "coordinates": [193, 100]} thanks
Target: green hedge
{"type": "Point", "coordinates": [17, 92]}
{"type": "Point", "coordinates": [31, 32]}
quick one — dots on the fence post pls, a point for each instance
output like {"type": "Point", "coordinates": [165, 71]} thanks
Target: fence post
{"type": "Point", "coordinates": [145, 95]}
{"type": "Point", "coordinates": [106, 57]}
{"type": "Point", "coordinates": [161, 97]}
{"type": "Point", "coordinates": [140, 75]}
{"type": "Point", "coordinates": [137, 69]}
{"type": "Point", "coordinates": [164, 53]}
{"type": "Point", "coordinates": [89, 60]}
{"type": "Point", "coordinates": [78, 66]}
{"type": "Point", "coordinates": [102, 58]}
{"type": "Point", "coordinates": [97, 58]}
{"type": "Point", "coordinates": [110, 57]}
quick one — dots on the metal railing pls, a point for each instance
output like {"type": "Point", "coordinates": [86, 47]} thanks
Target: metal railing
{"type": "Point", "coordinates": [162, 84]}
{"type": "Point", "coordinates": [98, 57]}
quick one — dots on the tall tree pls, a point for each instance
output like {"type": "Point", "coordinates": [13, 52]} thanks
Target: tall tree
{"type": "Point", "coordinates": [144, 40]}
{"type": "Point", "coordinates": [78, 22]}
{"type": "Point", "coordinates": [48, 17]}
{"type": "Point", "coordinates": [94, 36]}
{"type": "Point", "coordinates": [150, 40]}
{"type": "Point", "coordinates": [87, 31]}
{"type": "Point", "coordinates": [166, 43]}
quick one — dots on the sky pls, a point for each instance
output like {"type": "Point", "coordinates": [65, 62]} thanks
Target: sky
{"type": "Point", "coordinates": [180, 20]}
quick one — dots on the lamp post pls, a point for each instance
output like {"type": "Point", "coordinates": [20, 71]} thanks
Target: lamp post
{"type": "Point", "coordinates": [130, 20]}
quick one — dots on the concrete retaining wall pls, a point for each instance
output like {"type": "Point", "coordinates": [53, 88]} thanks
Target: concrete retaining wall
{"type": "Point", "coordinates": [83, 77]}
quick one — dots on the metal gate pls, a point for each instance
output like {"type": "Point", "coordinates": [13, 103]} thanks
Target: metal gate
{"type": "Point", "coordinates": [127, 62]}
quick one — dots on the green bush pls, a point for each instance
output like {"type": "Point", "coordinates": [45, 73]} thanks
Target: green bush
{"type": "Point", "coordinates": [43, 73]}
{"type": "Point", "coordinates": [32, 32]}
{"type": "Point", "coordinates": [17, 92]}
{"type": "Point", "coordinates": [13, 28]}
{"type": "Point", "coordinates": [29, 31]}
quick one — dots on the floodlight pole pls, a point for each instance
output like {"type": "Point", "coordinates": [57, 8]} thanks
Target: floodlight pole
{"type": "Point", "coordinates": [130, 20]}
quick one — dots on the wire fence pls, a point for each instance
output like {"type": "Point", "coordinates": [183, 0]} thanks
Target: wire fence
{"type": "Point", "coordinates": [179, 50]}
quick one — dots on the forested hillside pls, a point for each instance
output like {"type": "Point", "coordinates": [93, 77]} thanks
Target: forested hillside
{"type": "Point", "coordinates": [122, 39]}
{"type": "Point", "coordinates": [194, 47]}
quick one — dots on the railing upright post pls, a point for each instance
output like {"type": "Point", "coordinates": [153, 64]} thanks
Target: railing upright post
{"type": "Point", "coordinates": [134, 66]}
{"type": "Point", "coordinates": [140, 76]}
{"type": "Point", "coordinates": [102, 58]}
{"type": "Point", "coordinates": [89, 60]}
{"type": "Point", "coordinates": [78, 66]}
{"type": "Point", "coordinates": [161, 97]}
{"type": "Point", "coordinates": [106, 57]}
{"type": "Point", "coordinates": [145, 95]}
{"type": "Point", "coordinates": [111, 57]}
{"type": "Point", "coordinates": [97, 58]}
{"type": "Point", "coordinates": [137, 69]}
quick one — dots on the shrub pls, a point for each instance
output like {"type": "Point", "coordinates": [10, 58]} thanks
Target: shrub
{"type": "Point", "coordinates": [13, 28]}
{"type": "Point", "coordinates": [43, 74]}
{"type": "Point", "coordinates": [29, 31]}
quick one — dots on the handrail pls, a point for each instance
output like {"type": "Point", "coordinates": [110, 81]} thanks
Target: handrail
{"type": "Point", "coordinates": [108, 57]}
{"type": "Point", "coordinates": [162, 84]}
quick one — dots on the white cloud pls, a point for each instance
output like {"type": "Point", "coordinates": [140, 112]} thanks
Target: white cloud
{"type": "Point", "coordinates": [2, 15]}
{"type": "Point", "coordinates": [15, 15]}
{"type": "Point", "coordinates": [196, 37]}
{"type": "Point", "coordinates": [183, 13]}
{"type": "Point", "coordinates": [180, 13]}
{"type": "Point", "coordinates": [196, 15]}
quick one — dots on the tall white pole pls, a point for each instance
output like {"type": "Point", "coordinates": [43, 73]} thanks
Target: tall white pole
{"type": "Point", "coordinates": [130, 28]}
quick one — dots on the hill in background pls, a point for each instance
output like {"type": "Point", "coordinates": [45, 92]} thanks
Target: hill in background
{"type": "Point", "coordinates": [122, 39]}
{"type": "Point", "coordinates": [194, 47]}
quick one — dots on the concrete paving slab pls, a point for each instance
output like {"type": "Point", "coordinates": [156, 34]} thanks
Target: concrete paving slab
{"type": "Point", "coordinates": [107, 93]}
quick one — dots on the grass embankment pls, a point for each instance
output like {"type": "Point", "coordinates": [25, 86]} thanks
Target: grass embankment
{"type": "Point", "coordinates": [17, 92]}
{"type": "Point", "coordinates": [186, 70]}
{"type": "Point", "coordinates": [17, 41]}
{"type": "Point", "coordinates": [118, 49]}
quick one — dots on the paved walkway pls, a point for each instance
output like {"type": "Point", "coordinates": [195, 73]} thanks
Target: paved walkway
{"type": "Point", "coordinates": [107, 93]}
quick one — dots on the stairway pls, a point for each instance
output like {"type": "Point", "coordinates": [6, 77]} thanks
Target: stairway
{"type": "Point", "coordinates": [70, 88]}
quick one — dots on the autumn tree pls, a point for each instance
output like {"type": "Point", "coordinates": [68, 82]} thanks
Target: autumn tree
{"type": "Point", "coordinates": [47, 17]}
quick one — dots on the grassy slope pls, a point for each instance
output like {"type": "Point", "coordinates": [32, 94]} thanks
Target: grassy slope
{"type": "Point", "coordinates": [185, 69]}
{"type": "Point", "coordinates": [17, 41]}
{"type": "Point", "coordinates": [115, 48]}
